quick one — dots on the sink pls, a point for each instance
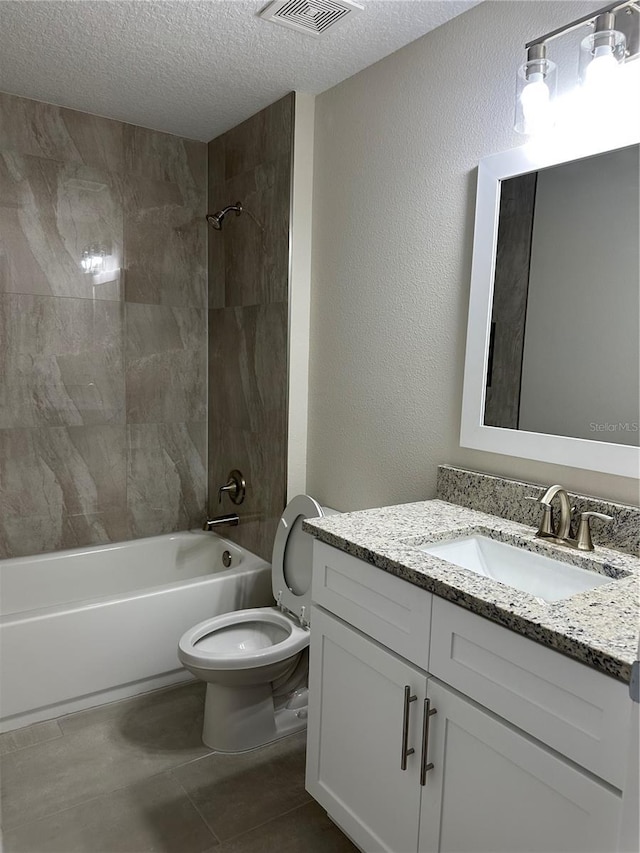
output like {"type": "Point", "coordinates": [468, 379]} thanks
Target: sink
{"type": "Point", "coordinates": [527, 571]}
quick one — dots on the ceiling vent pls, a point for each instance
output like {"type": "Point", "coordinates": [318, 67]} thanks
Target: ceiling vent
{"type": "Point", "coordinates": [314, 17]}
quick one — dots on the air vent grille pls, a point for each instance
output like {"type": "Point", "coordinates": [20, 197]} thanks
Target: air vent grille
{"type": "Point", "coordinates": [314, 17]}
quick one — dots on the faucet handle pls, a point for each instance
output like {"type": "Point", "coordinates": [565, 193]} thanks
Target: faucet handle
{"type": "Point", "coordinates": [546, 521]}
{"type": "Point", "coordinates": [235, 487]}
{"type": "Point", "coordinates": [583, 537]}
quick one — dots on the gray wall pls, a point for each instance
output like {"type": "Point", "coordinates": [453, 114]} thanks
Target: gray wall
{"type": "Point", "coordinates": [396, 152]}
{"type": "Point", "coordinates": [102, 380]}
{"type": "Point", "coordinates": [248, 320]}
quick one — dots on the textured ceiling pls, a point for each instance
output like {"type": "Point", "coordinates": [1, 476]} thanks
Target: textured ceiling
{"type": "Point", "coordinates": [190, 67]}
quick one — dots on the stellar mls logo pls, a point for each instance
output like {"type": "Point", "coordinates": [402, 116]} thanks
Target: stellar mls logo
{"type": "Point", "coordinates": [619, 427]}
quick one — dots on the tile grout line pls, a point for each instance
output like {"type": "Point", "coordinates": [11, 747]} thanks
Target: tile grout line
{"type": "Point", "coordinates": [272, 819]}
{"type": "Point", "coordinates": [48, 816]}
{"type": "Point", "coordinates": [29, 745]}
{"type": "Point", "coordinates": [198, 812]}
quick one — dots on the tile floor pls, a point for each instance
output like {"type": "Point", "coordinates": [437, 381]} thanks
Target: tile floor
{"type": "Point", "coordinates": [134, 776]}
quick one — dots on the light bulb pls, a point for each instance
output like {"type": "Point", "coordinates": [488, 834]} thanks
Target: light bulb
{"type": "Point", "coordinates": [535, 100]}
{"type": "Point", "coordinates": [601, 68]}
{"type": "Point", "coordinates": [535, 91]}
{"type": "Point", "coordinates": [92, 260]}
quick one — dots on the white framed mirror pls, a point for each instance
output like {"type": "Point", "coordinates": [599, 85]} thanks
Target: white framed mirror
{"type": "Point", "coordinates": [552, 367]}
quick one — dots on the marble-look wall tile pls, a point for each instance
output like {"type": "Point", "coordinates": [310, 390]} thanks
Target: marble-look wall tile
{"type": "Point", "coordinates": [255, 253]}
{"type": "Point", "coordinates": [215, 247]}
{"type": "Point", "coordinates": [71, 470]}
{"type": "Point", "coordinates": [164, 157]}
{"type": "Point", "coordinates": [264, 137]}
{"type": "Point", "coordinates": [165, 364]}
{"type": "Point", "coordinates": [56, 133]}
{"type": "Point", "coordinates": [26, 535]}
{"type": "Point", "coordinates": [166, 476]}
{"type": "Point", "coordinates": [262, 459]}
{"type": "Point", "coordinates": [248, 320]}
{"type": "Point", "coordinates": [249, 259]}
{"type": "Point", "coordinates": [248, 367]}
{"type": "Point", "coordinates": [165, 237]}
{"type": "Point", "coordinates": [50, 212]}
{"type": "Point", "coordinates": [77, 363]}
{"type": "Point", "coordinates": [215, 161]}
{"type": "Point", "coordinates": [61, 362]}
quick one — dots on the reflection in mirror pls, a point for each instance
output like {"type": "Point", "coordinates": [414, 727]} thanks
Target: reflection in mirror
{"type": "Point", "coordinates": [564, 349]}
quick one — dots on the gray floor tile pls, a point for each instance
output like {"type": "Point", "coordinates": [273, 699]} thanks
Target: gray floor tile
{"type": "Point", "coordinates": [99, 754]}
{"type": "Point", "coordinates": [306, 829]}
{"type": "Point", "coordinates": [162, 700]}
{"type": "Point", "coordinates": [29, 736]}
{"type": "Point", "coordinates": [235, 793]}
{"type": "Point", "coordinates": [154, 815]}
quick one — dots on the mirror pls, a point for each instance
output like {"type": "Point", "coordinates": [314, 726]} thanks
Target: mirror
{"type": "Point", "coordinates": [553, 346]}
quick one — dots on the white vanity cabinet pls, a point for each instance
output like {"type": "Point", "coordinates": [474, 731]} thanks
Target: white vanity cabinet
{"type": "Point", "coordinates": [491, 785]}
{"type": "Point", "coordinates": [355, 742]}
{"type": "Point", "coordinates": [492, 789]}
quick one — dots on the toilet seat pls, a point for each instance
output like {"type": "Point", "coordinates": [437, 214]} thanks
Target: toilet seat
{"type": "Point", "coordinates": [265, 635]}
{"type": "Point", "coordinates": [287, 639]}
{"type": "Point", "coordinates": [255, 661]}
{"type": "Point", "coordinates": [291, 562]}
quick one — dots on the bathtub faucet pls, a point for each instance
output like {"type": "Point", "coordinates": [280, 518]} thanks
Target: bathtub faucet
{"type": "Point", "coordinates": [232, 520]}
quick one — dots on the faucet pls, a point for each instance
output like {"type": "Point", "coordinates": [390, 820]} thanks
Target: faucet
{"type": "Point", "coordinates": [562, 535]}
{"type": "Point", "coordinates": [232, 520]}
{"type": "Point", "coordinates": [235, 487]}
{"type": "Point", "coordinates": [564, 531]}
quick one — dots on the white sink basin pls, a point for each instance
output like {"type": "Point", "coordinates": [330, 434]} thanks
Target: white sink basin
{"type": "Point", "coordinates": [538, 575]}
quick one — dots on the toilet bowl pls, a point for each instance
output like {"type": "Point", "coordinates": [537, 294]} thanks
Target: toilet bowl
{"type": "Point", "coordinates": [255, 661]}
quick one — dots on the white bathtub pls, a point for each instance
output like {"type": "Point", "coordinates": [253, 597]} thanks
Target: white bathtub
{"type": "Point", "coordinates": [91, 625]}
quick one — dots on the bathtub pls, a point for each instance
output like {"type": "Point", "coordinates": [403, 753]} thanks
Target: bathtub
{"type": "Point", "coordinates": [83, 627]}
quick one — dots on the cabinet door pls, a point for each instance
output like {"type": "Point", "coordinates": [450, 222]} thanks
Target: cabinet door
{"type": "Point", "coordinates": [495, 790]}
{"type": "Point", "coordinates": [355, 737]}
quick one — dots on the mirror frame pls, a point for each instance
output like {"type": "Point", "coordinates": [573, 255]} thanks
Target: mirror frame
{"type": "Point", "coordinates": [619, 459]}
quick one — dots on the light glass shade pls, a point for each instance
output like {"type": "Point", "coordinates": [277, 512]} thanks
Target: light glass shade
{"type": "Point", "coordinates": [92, 260]}
{"type": "Point", "coordinates": [535, 90]}
{"type": "Point", "coordinates": [600, 55]}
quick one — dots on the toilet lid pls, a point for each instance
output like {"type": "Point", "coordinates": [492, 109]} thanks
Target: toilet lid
{"type": "Point", "coordinates": [292, 555]}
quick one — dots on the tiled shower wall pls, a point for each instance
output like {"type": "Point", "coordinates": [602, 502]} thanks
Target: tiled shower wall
{"type": "Point", "coordinates": [248, 320]}
{"type": "Point", "coordinates": [102, 377]}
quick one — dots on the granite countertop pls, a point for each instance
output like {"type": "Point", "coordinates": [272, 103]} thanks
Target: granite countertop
{"type": "Point", "coordinates": [599, 627]}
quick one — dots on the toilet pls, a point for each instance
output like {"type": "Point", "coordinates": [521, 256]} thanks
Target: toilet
{"type": "Point", "coordinates": [255, 661]}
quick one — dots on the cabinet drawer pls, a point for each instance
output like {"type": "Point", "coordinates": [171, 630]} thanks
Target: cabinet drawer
{"type": "Point", "coordinates": [395, 613]}
{"type": "Point", "coordinates": [572, 708]}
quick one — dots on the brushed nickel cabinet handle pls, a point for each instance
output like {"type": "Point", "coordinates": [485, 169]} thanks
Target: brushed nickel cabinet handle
{"type": "Point", "coordinates": [424, 767]}
{"type": "Point", "coordinates": [408, 699]}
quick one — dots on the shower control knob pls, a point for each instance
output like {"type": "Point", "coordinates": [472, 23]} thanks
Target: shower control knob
{"type": "Point", "coordinates": [235, 487]}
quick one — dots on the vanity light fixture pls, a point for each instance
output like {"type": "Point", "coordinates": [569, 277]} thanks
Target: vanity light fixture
{"type": "Point", "coordinates": [535, 87]}
{"type": "Point", "coordinates": [92, 259]}
{"type": "Point", "coordinates": [601, 53]}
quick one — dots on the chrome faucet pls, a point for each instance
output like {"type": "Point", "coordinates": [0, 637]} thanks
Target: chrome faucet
{"type": "Point", "coordinates": [562, 535]}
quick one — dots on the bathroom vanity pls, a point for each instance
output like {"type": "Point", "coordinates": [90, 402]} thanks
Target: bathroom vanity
{"type": "Point", "coordinates": [449, 712]}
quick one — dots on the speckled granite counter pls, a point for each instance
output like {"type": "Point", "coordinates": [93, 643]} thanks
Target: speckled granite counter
{"type": "Point", "coordinates": [599, 627]}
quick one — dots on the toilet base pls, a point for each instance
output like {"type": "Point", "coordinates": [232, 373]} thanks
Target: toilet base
{"type": "Point", "coordinates": [241, 718]}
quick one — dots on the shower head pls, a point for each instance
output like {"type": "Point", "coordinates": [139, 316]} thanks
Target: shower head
{"type": "Point", "coordinates": [215, 220]}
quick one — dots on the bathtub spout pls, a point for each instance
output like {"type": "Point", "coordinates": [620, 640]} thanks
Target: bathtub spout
{"type": "Point", "coordinates": [232, 520]}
